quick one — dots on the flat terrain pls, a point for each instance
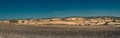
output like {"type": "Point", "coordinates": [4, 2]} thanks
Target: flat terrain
{"type": "Point", "coordinates": [58, 31]}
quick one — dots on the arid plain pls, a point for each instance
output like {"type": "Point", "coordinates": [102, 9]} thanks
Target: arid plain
{"type": "Point", "coordinates": [58, 31]}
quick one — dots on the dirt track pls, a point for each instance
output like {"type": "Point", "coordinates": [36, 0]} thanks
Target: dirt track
{"type": "Point", "coordinates": [58, 31]}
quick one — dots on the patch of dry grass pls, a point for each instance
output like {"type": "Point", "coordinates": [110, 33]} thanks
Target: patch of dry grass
{"type": "Point", "coordinates": [58, 31]}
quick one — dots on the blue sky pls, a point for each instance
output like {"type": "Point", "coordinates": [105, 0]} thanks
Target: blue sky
{"type": "Point", "coordinates": [58, 8]}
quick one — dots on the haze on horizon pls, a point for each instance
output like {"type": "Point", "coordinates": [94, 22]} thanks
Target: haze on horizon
{"type": "Point", "coordinates": [58, 8]}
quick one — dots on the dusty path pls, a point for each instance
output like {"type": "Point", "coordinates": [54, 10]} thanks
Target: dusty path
{"type": "Point", "coordinates": [58, 31]}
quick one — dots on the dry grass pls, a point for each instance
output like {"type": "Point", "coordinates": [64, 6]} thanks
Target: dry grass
{"type": "Point", "coordinates": [58, 31]}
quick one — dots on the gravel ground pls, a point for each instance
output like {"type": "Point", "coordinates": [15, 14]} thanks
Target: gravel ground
{"type": "Point", "coordinates": [58, 31]}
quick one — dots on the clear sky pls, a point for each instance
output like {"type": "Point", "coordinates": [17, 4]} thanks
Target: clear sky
{"type": "Point", "coordinates": [58, 8]}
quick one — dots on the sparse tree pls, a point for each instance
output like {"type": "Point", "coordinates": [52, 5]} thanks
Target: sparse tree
{"type": "Point", "coordinates": [23, 21]}
{"type": "Point", "coordinates": [113, 21]}
{"type": "Point", "coordinates": [13, 21]}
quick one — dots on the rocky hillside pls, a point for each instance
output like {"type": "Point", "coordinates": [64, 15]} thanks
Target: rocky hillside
{"type": "Point", "coordinates": [73, 20]}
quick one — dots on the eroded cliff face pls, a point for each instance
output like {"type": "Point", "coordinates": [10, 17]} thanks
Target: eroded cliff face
{"type": "Point", "coordinates": [71, 21]}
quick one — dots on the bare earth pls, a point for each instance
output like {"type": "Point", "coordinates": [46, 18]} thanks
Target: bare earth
{"type": "Point", "coordinates": [58, 31]}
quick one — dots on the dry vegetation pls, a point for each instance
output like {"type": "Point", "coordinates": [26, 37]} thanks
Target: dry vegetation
{"type": "Point", "coordinates": [58, 31]}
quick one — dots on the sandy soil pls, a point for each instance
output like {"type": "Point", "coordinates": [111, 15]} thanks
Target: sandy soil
{"type": "Point", "coordinates": [58, 31]}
